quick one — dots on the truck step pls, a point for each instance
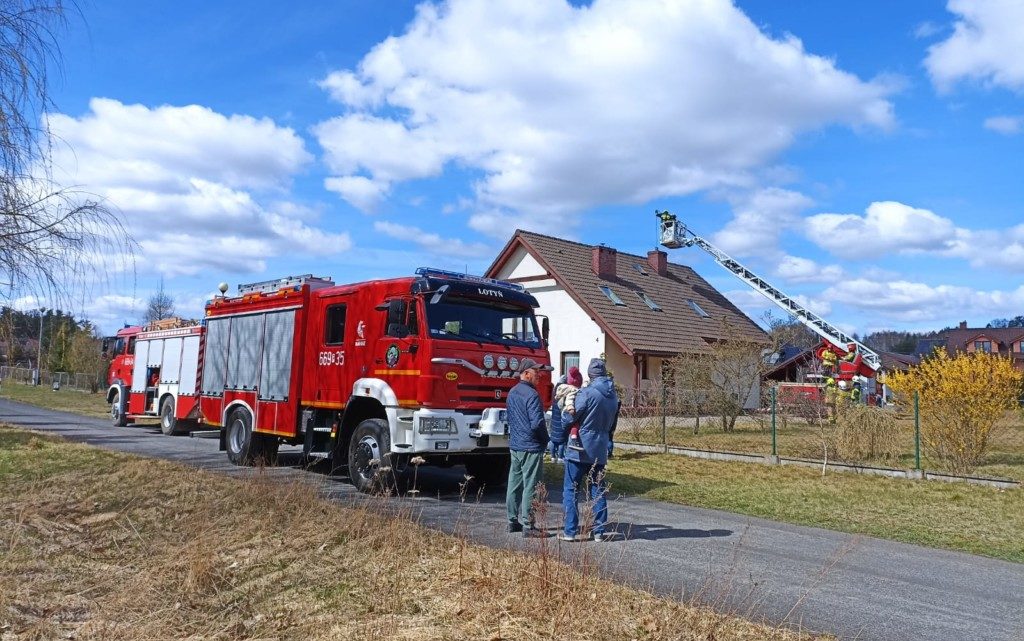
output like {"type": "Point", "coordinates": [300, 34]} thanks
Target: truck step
{"type": "Point", "coordinates": [318, 455]}
{"type": "Point", "coordinates": [204, 433]}
{"type": "Point", "coordinates": [321, 429]}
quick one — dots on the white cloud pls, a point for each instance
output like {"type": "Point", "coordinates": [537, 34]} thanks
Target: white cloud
{"type": "Point", "coordinates": [188, 182]}
{"type": "Point", "coordinates": [1006, 125]}
{"type": "Point", "coordinates": [796, 269]}
{"type": "Point", "coordinates": [926, 30]}
{"type": "Point", "coordinates": [110, 311]}
{"type": "Point", "coordinates": [985, 46]}
{"type": "Point", "coordinates": [886, 227]}
{"type": "Point", "coordinates": [432, 243]}
{"type": "Point", "coordinates": [908, 301]}
{"type": "Point", "coordinates": [561, 108]}
{"type": "Point", "coordinates": [759, 220]}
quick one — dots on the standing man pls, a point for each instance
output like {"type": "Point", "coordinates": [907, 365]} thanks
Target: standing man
{"type": "Point", "coordinates": [596, 407]}
{"type": "Point", "coordinates": [527, 439]}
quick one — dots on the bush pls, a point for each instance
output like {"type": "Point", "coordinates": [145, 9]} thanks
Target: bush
{"type": "Point", "coordinates": [863, 433]}
{"type": "Point", "coordinates": [961, 400]}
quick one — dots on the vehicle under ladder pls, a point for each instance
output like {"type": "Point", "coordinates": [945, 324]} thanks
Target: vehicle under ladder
{"type": "Point", "coordinates": [674, 234]}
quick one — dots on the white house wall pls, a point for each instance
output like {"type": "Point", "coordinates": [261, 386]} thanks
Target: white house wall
{"type": "Point", "coordinates": [572, 329]}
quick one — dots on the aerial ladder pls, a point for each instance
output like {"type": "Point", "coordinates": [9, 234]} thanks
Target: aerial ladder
{"type": "Point", "coordinates": [853, 357]}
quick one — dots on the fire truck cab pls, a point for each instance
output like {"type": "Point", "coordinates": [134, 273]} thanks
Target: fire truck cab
{"type": "Point", "coordinates": [373, 375]}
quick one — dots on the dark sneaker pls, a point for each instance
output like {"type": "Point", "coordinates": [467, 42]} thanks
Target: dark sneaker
{"type": "Point", "coordinates": [515, 527]}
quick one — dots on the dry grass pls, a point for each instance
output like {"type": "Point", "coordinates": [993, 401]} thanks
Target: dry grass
{"type": "Point", "coordinates": [98, 545]}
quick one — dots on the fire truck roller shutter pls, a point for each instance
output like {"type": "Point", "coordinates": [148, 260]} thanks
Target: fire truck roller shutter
{"type": "Point", "coordinates": [215, 363]}
{"type": "Point", "coordinates": [189, 364]}
{"type": "Point", "coordinates": [171, 365]}
{"type": "Point", "coordinates": [141, 361]}
{"type": "Point", "coordinates": [276, 369]}
{"type": "Point", "coordinates": [244, 348]}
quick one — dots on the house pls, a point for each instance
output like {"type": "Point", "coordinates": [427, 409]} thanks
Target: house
{"type": "Point", "coordinates": [1004, 341]}
{"type": "Point", "coordinates": [637, 311]}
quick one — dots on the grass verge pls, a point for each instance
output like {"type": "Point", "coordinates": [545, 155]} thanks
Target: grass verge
{"type": "Point", "coordinates": [957, 516]}
{"type": "Point", "coordinates": [99, 544]}
{"type": "Point", "coordinates": [66, 400]}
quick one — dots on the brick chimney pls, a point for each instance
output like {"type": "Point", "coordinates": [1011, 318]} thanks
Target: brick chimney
{"type": "Point", "coordinates": [603, 261]}
{"type": "Point", "coordinates": [963, 324]}
{"type": "Point", "coordinates": [658, 261]}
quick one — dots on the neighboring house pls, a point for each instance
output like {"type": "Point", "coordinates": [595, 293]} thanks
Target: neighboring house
{"type": "Point", "coordinates": [1004, 341]}
{"type": "Point", "coordinates": [637, 311]}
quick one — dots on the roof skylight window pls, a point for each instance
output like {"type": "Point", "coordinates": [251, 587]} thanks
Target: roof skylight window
{"type": "Point", "coordinates": [612, 296]}
{"type": "Point", "coordinates": [640, 268]}
{"type": "Point", "coordinates": [697, 308]}
{"type": "Point", "coordinates": [650, 303]}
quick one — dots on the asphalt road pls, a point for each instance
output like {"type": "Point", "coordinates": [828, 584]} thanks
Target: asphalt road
{"type": "Point", "coordinates": [852, 586]}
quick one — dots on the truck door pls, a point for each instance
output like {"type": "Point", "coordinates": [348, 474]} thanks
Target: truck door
{"type": "Point", "coordinates": [397, 359]}
{"type": "Point", "coordinates": [333, 385]}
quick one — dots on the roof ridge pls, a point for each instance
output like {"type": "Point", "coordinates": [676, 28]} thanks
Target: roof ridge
{"type": "Point", "coordinates": [574, 242]}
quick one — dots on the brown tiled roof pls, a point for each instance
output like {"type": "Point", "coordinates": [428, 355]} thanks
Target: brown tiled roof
{"type": "Point", "coordinates": [958, 339]}
{"type": "Point", "coordinates": [677, 328]}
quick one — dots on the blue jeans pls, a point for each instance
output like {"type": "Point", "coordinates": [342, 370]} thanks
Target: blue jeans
{"type": "Point", "coordinates": [587, 477]}
{"type": "Point", "coordinates": [557, 450]}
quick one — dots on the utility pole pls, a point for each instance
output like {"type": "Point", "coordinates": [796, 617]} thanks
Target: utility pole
{"type": "Point", "coordinates": [39, 351]}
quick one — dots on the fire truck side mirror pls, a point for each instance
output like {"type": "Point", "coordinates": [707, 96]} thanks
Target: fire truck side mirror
{"type": "Point", "coordinates": [396, 318]}
{"type": "Point", "coordinates": [545, 328]}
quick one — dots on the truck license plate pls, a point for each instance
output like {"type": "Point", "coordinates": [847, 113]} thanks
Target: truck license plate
{"type": "Point", "coordinates": [441, 445]}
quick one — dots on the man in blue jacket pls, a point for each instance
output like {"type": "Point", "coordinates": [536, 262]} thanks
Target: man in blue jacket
{"type": "Point", "coordinates": [596, 407]}
{"type": "Point", "coordinates": [527, 438]}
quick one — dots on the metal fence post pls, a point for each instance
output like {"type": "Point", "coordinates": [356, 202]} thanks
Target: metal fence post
{"type": "Point", "coordinates": [775, 451]}
{"type": "Point", "coordinates": [917, 432]}
{"type": "Point", "coordinates": [664, 419]}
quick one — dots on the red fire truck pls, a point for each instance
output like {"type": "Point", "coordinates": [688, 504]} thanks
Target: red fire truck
{"type": "Point", "coordinates": [371, 374]}
{"type": "Point", "coordinates": [153, 374]}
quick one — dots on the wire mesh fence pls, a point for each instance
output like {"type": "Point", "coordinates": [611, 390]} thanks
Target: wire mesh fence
{"type": "Point", "coordinates": [64, 380]}
{"type": "Point", "coordinates": [891, 436]}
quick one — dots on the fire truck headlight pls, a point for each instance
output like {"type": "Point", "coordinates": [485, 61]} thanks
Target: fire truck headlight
{"type": "Point", "coordinates": [437, 425]}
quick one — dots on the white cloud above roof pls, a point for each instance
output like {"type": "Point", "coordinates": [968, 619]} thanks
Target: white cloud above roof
{"type": "Point", "coordinates": [561, 108]}
{"type": "Point", "coordinates": [985, 46]}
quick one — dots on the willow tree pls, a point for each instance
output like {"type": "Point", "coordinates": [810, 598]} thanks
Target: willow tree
{"type": "Point", "coordinates": [53, 238]}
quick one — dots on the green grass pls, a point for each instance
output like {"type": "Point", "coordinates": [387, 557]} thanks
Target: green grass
{"type": "Point", "coordinates": [956, 516]}
{"type": "Point", "coordinates": [84, 403]}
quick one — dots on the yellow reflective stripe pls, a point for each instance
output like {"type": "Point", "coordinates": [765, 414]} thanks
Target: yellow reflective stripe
{"type": "Point", "coordinates": [396, 372]}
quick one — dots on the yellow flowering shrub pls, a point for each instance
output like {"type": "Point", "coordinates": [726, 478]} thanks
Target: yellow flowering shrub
{"type": "Point", "coordinates": [962, 398]}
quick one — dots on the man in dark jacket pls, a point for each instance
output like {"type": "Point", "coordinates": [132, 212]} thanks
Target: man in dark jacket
{"type": "Point", "coordinates": [596, 408]}
{"type": "Point", "coordinates": [527, 438]}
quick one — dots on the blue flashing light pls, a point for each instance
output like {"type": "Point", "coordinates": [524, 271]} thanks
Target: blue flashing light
{"type": "Point", "coordinates": [442, 273]}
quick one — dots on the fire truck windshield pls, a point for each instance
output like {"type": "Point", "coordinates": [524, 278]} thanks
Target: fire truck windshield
{"type": "Point", "coordinates": [479, 321]}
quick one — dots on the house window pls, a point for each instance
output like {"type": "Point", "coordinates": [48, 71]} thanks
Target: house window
{"type": "Point", "coordinates": [697, 308]}
{"type": "Point", "coordinates": [644, 376]}
{"type": "Point", "coordinates": [612, 296]}
{"type": "Point", "coordinates": [983, 346]}
{"type": "Point", "coordinates": [334, 325]}
{"type": "Point", "coordinates": [638, 267]}
{"type": "Point", "coordinates": [569, 359]}
{"type": "Point", "coordinates": [647, 299]}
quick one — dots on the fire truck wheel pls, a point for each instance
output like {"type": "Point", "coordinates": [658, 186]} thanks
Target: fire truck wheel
{"type": "Point", "coordinates": [368, 454]}
{"type": "Point", "coordinates": [168, 422]}
{"type": "Point", "coordinates": [239, 439]}
{"type": "Point", "coordinates": [117, 417]}
{"type": "Point", "coordinates": [489, 469]}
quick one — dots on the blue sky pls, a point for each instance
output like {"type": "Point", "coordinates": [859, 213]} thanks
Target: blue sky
{"type": "Point", "coordinates": [865, 158]}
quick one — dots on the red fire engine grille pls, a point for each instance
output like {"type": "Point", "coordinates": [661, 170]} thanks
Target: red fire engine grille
{"type": "Point", "coordinates": [484, 393]}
